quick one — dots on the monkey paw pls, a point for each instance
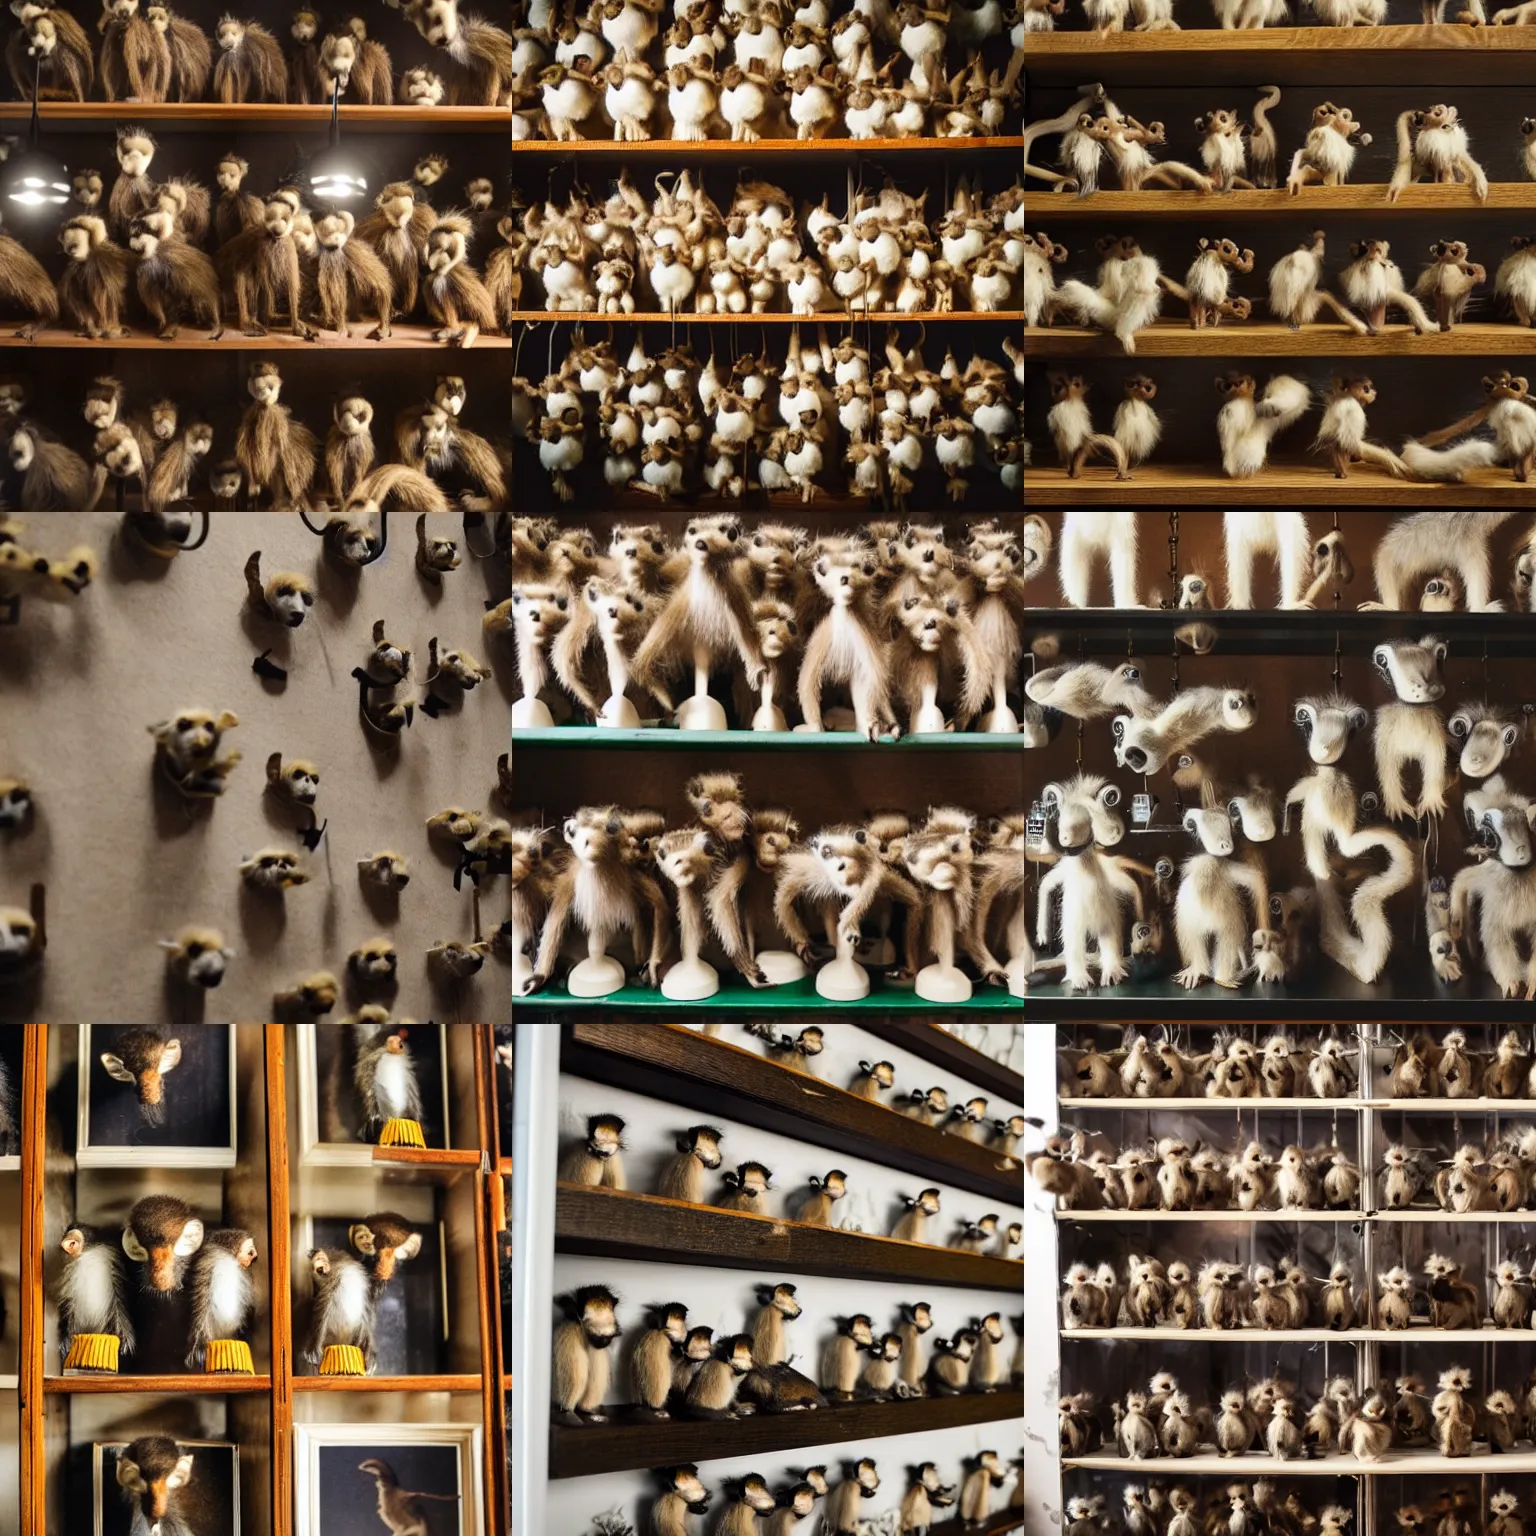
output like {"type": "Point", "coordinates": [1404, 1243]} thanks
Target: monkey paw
{"type": "Point", "coordinates": [1111, 975]}
{"type": "Point", "coordinates": [255, 330]}
{"type": "Point", "coordinates": [1190, 977]}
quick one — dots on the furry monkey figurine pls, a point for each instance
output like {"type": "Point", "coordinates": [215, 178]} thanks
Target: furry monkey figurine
{"type": "Point", "coordinates": [276, 452]}
{"type": "Point", "coordinates": [1086, 534]}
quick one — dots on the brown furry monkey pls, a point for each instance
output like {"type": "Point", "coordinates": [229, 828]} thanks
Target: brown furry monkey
{"type": "Point", "coordinates": [349, 450]}
{"type": "Point", "coordinates": [54, 477]}
{"type": "Point", "coordinates": [651, 1365]}
{"type": "Point", "coordinates": [170, 480]}
{"type": "Point", "coordinates": [276, 452]}
{"type": "Point", "coordinates": [398, 230]}
{"type": "Point", "coordinates": [250, 65]}
{"type": "Point", "coordinates": [26, 287]}
{"type": "Point", "coordinates": [158, 1479]}
{"type": "Point", "coordinates": [682, 1178]}
{"type": "Point", "coordinates": [581, 1361]}
{"type": "Point", "coordinates": [135, 58]}
{"type": "Point", "coordinates": [161, 1235]}
{"type": "Point", "coordinates": [144, 1057]}
{"type": "Point", "coordinates": [94, 284]}
{"type": "Point", "coordinates": [223, 1296]}
{"type": "Point", "coordinates": [237, 209]}
{"type": "Point", "coordinates": [596, 1162]}
{"type": "Point", "coordinates": [93, 1291]}
{"type": "Point", "coordinates": [175, 280]}
{"type": "Point", "coordinates": [454, 292]}
{"type": "Point", "coordinates": [260, 266]}
{"type": "Point", "coordinates": [55, 42]}
{"type": "Point", "coordinates": [399, 1509]}
{"type": "Point", "coordinates": [351, 278]}
{"type": "Point", "coordinates": [385, 1079]}
{"type": "Point", "coordinates": [191, 52]}
{"type": "Point", "coordinates": [304, 57]}
{"type": "Point", "coordinates": [481, 54]}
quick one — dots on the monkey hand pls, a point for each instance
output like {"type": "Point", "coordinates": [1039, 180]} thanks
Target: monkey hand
{"type": "Point", "coordinates": [1190, 977]}
{"type": "Point", "coordinates": [534, 983]}
{"type": "Point", "coordinates": [848, 933]}
{"type": "Point", "coordinates": [650, 973]}
{"type": "Point", "coordinates": [757, 977]}
{"type": "Point", "coordinates": [1111, 975]}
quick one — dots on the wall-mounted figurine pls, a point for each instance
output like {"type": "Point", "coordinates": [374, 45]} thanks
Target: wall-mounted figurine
{"type": "Point", "coordinates": [916, 1320]}
{"type": "Point", "coordinates": [161, 1235]}
{"type": "Point", "coordinates": [374, 963]}
{"type": "Point", "coordinates": [682, 1494]}
{"type": "Point", "coordinates": [840, 1360]}
{"type": "Point", "coordinates": [93, 1298]}
{"type": "Point", "coordinates": [580, 1376]}
{"type": "Point", "coordinates": [968, 1120]}
{"type": "Point", "coordinates": [435, 555]}
{"type": "Point", "coordinates": [187, 747]}
{"type": "Point", "coordinates": [773, 1384]}
{"type": "Point", "coordinates": [223, 1296]}
{"type": "Point", "coordinates": [913, 1226]}
{"type": "Point", "coordinates": [309, 999]}
{"type": "Point", "coordinates": [746, 1188]}
{"type": "Point", "coordinates": [199, 956]}
{"type": "Point", "coordinates": [458, 668]}
{"type": "Point", "coordinates": [144, 1058]}
{"type": "Point", "coordinates": [748, 1499]}
{"type": "Point", "coordinates": [596, 1162]}
{"type": "Point", "coordinates": [682, 1177]}
{"type": "Point", "coordinates": [457, 959]}
{"type": "Point", "coordinates": [689, 858]}
{"type": "Point", "coordinates": [816, 1208]}
{"type": "Point", "coordinates": [285, 598]}
{"type": "Point", "coordinates": [860, 1480]}
{"type": "Point", "coordinates": [874, 1078]}
{"type": "Point", "coordinates": [273, 869]}
{"type": "Point", "coordinates": [651, 1364]}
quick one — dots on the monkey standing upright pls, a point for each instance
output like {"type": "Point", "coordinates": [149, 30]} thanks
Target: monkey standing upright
{"type": "Point", "coordinates": [250, 65]}
{"type": "Point", "coordinates": [913, 1226]}
{"type": "Point", "coordinates": [581, 1361]}
{"type": "Point", "coordinates": [976, 1492]}
{"type": "Point", "coordinates": [93, 1294]}
{"type": "Point", "coordinates": [816, 1208]}
{"type": "Point", "coordinates": [712, 1392]}
{"type": "Point", "coordinates": [454, 293]}
{"type": "Point", "coordinates": [135, 58]}
{"type": "Point", "coordinates": [682, 1493]}
{"type": "Point", "coordinates": [222, 1292]}
{"type": "Point", "coordinates": [385, 1079]}
{"type": "Point", "coordinates": [652, 1362]}
{"type": "Point", "coordinates": [749, 1499]}
{"type": "Point", "coordinates": [840, 1361]}
{"type": "Point", "coordinates": [682, 1177]}
{"type": "Point", "coordinates": [343, 1309]}
{"type": "Point", "coordinates": [860, 1480]}
{"type": "Point", "coordinates": [596, 1162]}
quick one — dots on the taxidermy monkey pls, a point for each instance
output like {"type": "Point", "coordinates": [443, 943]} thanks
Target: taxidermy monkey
{"type": "Point", "coordinates": [286, 599]}
{"type": "Point", "coordinates": [55, 477]}
{"type": "Point", "coordinates": [385, 1079]}
{"type": "Point", "coordinates": [198, 956]}
{"type": "Point", "coordinates": [1408, 730]}
{"type": "Point", "coordinates": [93, 1293]}
{"type": "Point", "coordinates": [144, 1057]}
{"type": "Point", "coordinates": [273, 869]}
{"type": "Point", "coordinates": [398, 230]}
{"type": "Point", "coordinates": [1508, 412]}
{"type": "Point", "coordinates": [1342, 432]}
{"type": "Point", "coordinates": [1433, 143]}
{"type": "Point", "coordinates": [816, 1209]}
{"type": "Point", "coordinates": [747, 1185]}
{"type": "Point", "coordinates": [276, 452]}
{"type": "Point", "coordinates": [304, 57]}
{"type": "Point", "coordinates": [1071, 429]}
{"type": "Point", "coordinates": [400, 1510]}
{"type": "Point", "coordinates": [1504, 1507]}
{"type": "Point", "coordinates": [1515, 279]}
{"type": "Point", "coordinates": [454, 293]}
{"type": "Point", "coordinates": [950, 1368]}
{"type": "Point", "coordinates": [261, 266]}
{"type": "Point", "coordinates": [1449, 280]}
{"type": "Point", "coordinates": [1296, 293]}
{"type": "Point", "coordinates": [683, 1493]}
{"type": "Point", "coordinates": [481, 54]}
{"type": "Point", "coordinates": [156, 1477]}
{"type": "Point", "coordinates": [223, 1296]}
{"type": "Point", "coordinates": [171, 478]}
{"type": "Point", "coordinates": [1366, 1434]}
{"type": "Point", "coordinates": [1454, 1416]}
{"type": "Point", "coordinates": [1247, 424]}
{"type": "Point", "coordinates": [651, 1365]}
{"type": "Point", "coordinates": [596, 1162]}
{"type": "Point", "coordinates": [773, 1384]}
{"type": "Point", "coordinates": [988, 1368]}
{"type": "Point", "coordinates": [250, 65]}
{"type": "Point", "coordinates": [796, 1503]}
{"type": "Point", "coordinates": [191, 54]}
{"type": "Point", "coordinates": [913, 1226]}
{"type": "Point", "coordinates": [349, 449]}
{"type": "Point", "coordinates": [926, 1492]}
{"type": "Point", "coordinates": [26, 287]}
{"type": "Point", "coordinates": [930, 1106]}
{"type": "Point", "coordinates": [162, 1234]}
{"type": "Point", "coordinates": [712, 1393]}
{"type": "Point", "coordinates": [698, 1150]}
{"type": "Point", "coordinates": [1419, 544]}
{"type": "Point", "coordinates": [1328, 152]}
{"type": "Point", "coordinates": [1087, 534]}
{"type": "Point", "coordinates": [873, 1080]}
{"type": "Point", "coordinates": [860, 1480]}
{"type": "Point", "coordinates": [1137, 428]}
{"type": "Point", "coordinates": [840, 1360]}
{"type": "Point", "coordinates": [237, 210]}
{"type": "Point", "coordinates": [1373, 280]}
{"type": "Point", "coordinates": [976, 1493]}
{"type": "Point", "coordinates": [748, 1499]}
{"type": "Point", "coordinates": [1453, 1301]}
{"type": "Point", "coordinates": [344, 1309]}
{"type": "Point", "coordinates": [1147, 745]}
{"type": "Point", "coordinates": [350, 278]}
{"type": "Point", "coordinates": [879, 1379]}
{"type": "Point", "coordinates": [175, 280]}
{"type": "Point", "coordinates": [135, 58]}
{"type": "Point", "coordinates": [1208, 912]}
{"type": "Point", "coordinates": [916, 1320]}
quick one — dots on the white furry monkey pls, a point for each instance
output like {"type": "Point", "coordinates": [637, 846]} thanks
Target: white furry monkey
{"type": "Point", "coordinates": [1427, 543]}
{"type": "Point", "coordinates": [1296, 292]}
{"type": "Point", "coordinates": [1247, 423]}
{"type": "Point", "coordinates": [1282, 535]}
{"type": "Point", "coordinates": [1086, 534]}
{"type": "Point", "coordinates": [1515, 281]}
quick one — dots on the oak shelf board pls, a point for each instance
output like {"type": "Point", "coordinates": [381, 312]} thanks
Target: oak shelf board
{"type": "Point", "coordinates": [684, 148]}
{"type": "Point", "coordinates": [1396, 1463]}
{"type": "Point", "coordinates": [668, 738]}
{"type": "Point", "coordinates": [1075, 1105]}
{"type": "Point", "coordinates": [464, 1383]}
{"type": "Point", "coordinates": [1361, 198]}
{"type": "Point", "coordinates": [1013, 317]}
{"type": "Point", "coordinates": [1301, 485]}
{"type": "Point", "coordinates": [620, 1447]}
{"type": "Point", "coordinates": [1396, 55]}
{"type": "Point", "coordinates": [1410, 995]}
{"type": "Point", "coordinates": [1456, 1106]}
{"type": "Point", "coordinates": [428, 1157]}
{"type": "Point", "coordinates": [205, 116]}
{"type": "Point", "coordinates": [190, 1384]}
{"type": "Point", "coordinates": [1177, 338]}
{"type": "Point", "coordinates": [620, 1224]}
{"type": "Point", "coordinates": [1474, 1217]}
{"type": "Point", "coordinates": [679, 1065]}
{"type": "Point", "coordinates": [736, 996]}
{"type": "Point", "coordinates": [1155, 1214]}
{"type": "Point", "coordinates": [406, 338]}
{"type": "Point", "coordinates": [953, 1055]}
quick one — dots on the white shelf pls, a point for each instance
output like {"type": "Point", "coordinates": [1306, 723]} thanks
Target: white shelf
{"type": "Point", "coordinates": [1398, 1463]}
{"type": "Point", "coordinates": [1204, 1103]}
{"type": "Point", "coordinates": [1457, 1106]}
{"type": "Point", "coordinates": [1420, 1333]}
{"type": "Point", "coordinates": [1222, 1216]}
{"type": "Point", "coordinates": [1453, 1216]}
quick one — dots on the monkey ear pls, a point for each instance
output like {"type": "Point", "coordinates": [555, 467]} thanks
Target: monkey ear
{"type": "Point", "coordinates": [360, 1235]}
{"type": "Point", "coordinates": [227, 720]}
{"type": "Point", "coordinates": [115, 1068]}
{"type": "Point", "coordinates": [133, 1247]}
{"type": "Point", "coordinates": [127, 1473]}
{"type": "Point", "coordinates": [1358, 719]}
{"type": "Point", "coordinates": [410, 1247]}
{"type": "Point", "coordinates": [181, 1473]}
{"type": "Point", "coordinates": [190, 1241]}
{"type": "Point", "coordinates": [170, 1057]}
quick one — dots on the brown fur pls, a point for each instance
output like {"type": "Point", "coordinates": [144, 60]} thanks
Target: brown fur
{"type": "Point", "coordinates": [250, 65]}
{"type": "Point", "coordinates": [503, 275]}
{"type": "Point", "coordinates": [349, 450]}
{"type": "Point", "coordinates": [260, 267]}
{"type": "Point", "coordinates": [453, 291]}
{"type": "Point", "coordinates": [132, 194]}
{"type": "Point", "coordinates": [135, 58]}
{"type": "Point", "coordinates": [304, 57]}
{"type": "Point", "coordinates": [170, 480]}
{"type": "Point", "coordinates": [481, 54]}
{"type": "Point", "coordinates": [237, 210]}
{"type": "Point", "coordinates": [398, 232]}
{"type": "Point", "coordinates": [56, 479]}
{"type": "Point", "coordinates": [276, 452]}
{"type": "Point", "coordinates": [449, 448]}
{"type": "Point", "coordinates": [398, 488]}
{"type": "Point", "coordinates": [191, 53]}
{"type": "Point", "coordinates": [373, 73]}
{"type": "Point", "coordinates": [68, 66]}
{"type": "Point", "coordinates": [94, 285]}
{"type": "Point", "coordinates": [351, 277]}
{"type": "Point", "coordinates": [174, 279]}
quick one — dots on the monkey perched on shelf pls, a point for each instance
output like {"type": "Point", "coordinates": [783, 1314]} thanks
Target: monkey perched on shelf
{"type": "Point", "coordinates": [481, 54]}
{"type": "Point", "coordinates": [250, 65]}
{"type": "Point", "coordinates": [596, 1161]}
{"type": "Point", "coordinates": [93, 1292]}
{"type": "Point", "coordinates": [222, 1292]}
{"type": "Point", "coordinates": [385, 1078]}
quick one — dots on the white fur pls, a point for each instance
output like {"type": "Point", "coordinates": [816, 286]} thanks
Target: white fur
{"type": "Point", "coordinates": [1137, 429]}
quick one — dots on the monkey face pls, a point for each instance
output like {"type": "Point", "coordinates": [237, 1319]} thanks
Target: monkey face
{"type": "Point", "coordinates": [230, 34]}
{"type": "Point", "coordinates": [377, 962]}
{"type": "Point", "coordinates": [150, 1471]}
{"type": "Point", "coordinates": [231, 173]}
{"type": "Point", "coordinates": [224, 480]}
{"type": "Point", "coordinates": [193, 735]}
{"type": "Point", "coordinates": [200, 956]}
{"type": "Point", "coordinates": [265, 383]}
{"type": "Point", "coordinates": [162, 1234]}
{"type": "Point", "coordinates": [273, 869]}
{"type": "Point", "coordinates": [927, 1202]}
{"type": "Point", "coordinates": [134, 150]}
{"type": "Point", "coordinates": [386, 1239]}
{"type": "Point", "coordinates": [391, 871]}
{"type": "Point", "coordinates": [23, 450]}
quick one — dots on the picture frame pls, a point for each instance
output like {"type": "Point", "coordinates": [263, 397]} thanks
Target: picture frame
{"type": "Point", "coordinates": [332, 1497]}
{"type": "Point", "coordinates": [419, 1290]}
{"type": "Point", "coordinates": [200, 1104]}
{"type": "Point", "coordinates": [319, 1143]}
{"type": "Point", "coordinates": [111, 1513]}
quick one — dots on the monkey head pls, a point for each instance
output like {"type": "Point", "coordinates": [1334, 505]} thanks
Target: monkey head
{"type": "Point", "coordinates": [926, 1201]}
{"type": "Point", "coordinates": [595, 1308]}
{"type": "Point", "coordinates": [1221, 121]}
{"type": "Point", "coordinates": [229, 34]}
{"type": "Point", "coordinates": [864, 1474]}
{"type": "Point", "coordinates": [1504, 829]}
{"type": "Point", "coordinates": [429, 170]}
{"type": "Point", "coordinates": [1235, 386]}
{"type": "Point", "coordinates": [736, 1351]}
{"type": "Point", "coordinates": [684, 1481]}
{"type": "Point", "coordinates": [717, 801]}
{"type": "Point", "coordinates": [699, 1345]}
{"type": "Point", "coordinates": [1375, 251]}
{"type": "Point", "coordinates": [85, 188]}
{"type": "Point", "coordinates": [297, 780]}
{"type": "Point", "coordinates": [1228, 253]}
{"type": "Point", "coordinates": [750, 1490]}
{"type": "Point", "coordinates": [162, 1234]}
{"type": "Point", "coordinates": [316, 994]}
{"type": "Point", "coordinates": [396, 203]}
{"type": "Point", "coordinates": [333, 230]}
{"type": "Point", "coordinates": [1487, 735]}
{"type": "Point", "coordinates": [458, 959]}
{"type": "Point", "coordinates": [539, 612]}
{"type": "Point", "coordinates": [447, 245]}
{"type": "Point", "coordinates": [455, 822]}
{"type": "Point", "coordinates": [42, 37]}
{"type": "Point", "coordinates": [1504, 385]}
{"type": "Point", "coordinates": [703, 1141]}
{"type": "Point", "coordinates": [605, 1136]}
{"type": "Point", "coordinates": [389, 871]}
{"type": "Point", "coordinates": [264, 383]}
{"type": "Point", "coordinates": [1117, 247]}
{"type": "Point", "coordinates": [834, 1187]}
{"type": "Point", "coordinates": [198, 439]}
{"type": "Point", "coordinates": [224, 480]}
{"type": "Point", "coordinates": [992, 1324]}
{"type": "Point", "coordinates": [232, 169]}
{"type": "Point", "coordinates": [1412, 668]}
{"type": "Point", "coordinates": [594, 833]}
{"type": "Point", "coordinates": [479, 193]}
{"type": "Point", "coordinates": [338, 53]}
{"type": "Point", "coordinates": [200, 956]}
{"type": "Point", "coordinates": [1212, 828]}
{"type": "Point", "coordinates": [149, 1471]}
{"type": "Point", "coordinates": [352, 414]}
{"type": "Point", "coordinates": [781, 1298]}
{"type": "Point", "coordinates": [940, 860]}
{"type": "Point", "coordinates": [1440, 116]}
{"type": "Point", "coordinates": [1085, 813]}
{"type": "Point", "coordinates": [462, 668]}
{"type": "Point", "coordinates": [750, 1179]}
{"type": "Point", "coordinates": [192, 736]}
{"type": "Point", "coordinates": [1069, 386]}
{"type": "Point", "coordinates": [144, 1058]}
{"type": "Point", "coordinates": [135, 147]}
{"type": "Point", "coordinates": [387, 1239]}
{"type": "Point", "coordinates": [1327, 724]}
{"type": "Point", "coordinates": [687, 856]}
{"type": "Point", "coordinates": [375, 961]}
{"type": "Point", "coordinates": [774, 833]}
{"type": "Point", "coordinates": [304, 26]}
{"type": "Point", "coordinates": [273, 869]}
{"type": "Point", "coordinates": [149, 230]}
{"type": "Point", "coordinates": [919, 1314]}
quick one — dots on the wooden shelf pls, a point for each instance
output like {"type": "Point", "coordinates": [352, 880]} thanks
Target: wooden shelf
{"type": "Point", "coordinates": [1176, 338]}
{"type": "Point", "coordinates": [623, 1447]}
{"type": "Point", "coordinates": [1163, 485]}
{"type": "Point", "coordinates": [1213, 1216]}
{"type": "Point", "coordinates": [413, 1384]}
{"type": "Point", "coordinates": [736, 995]}
{"type": "Point", "coordinates": [208, 116]}
{"type": "Point", "coordinates": [954, 1055]}
{"type": "Point", "coordinates": [1409, 994]}
{"type": "Point", "coordinates": [1257, 1335]}
{"type": "Point", "coordinates": [663, 738]}
{"type": "Point", "coordinates": [1396, 1463]}
{"type": "Point", "coordinates": [1014, 317]}
{"type": "Point", "coordinates": [1075, 1105]}
{"type": "Point", "coordinates": [1358, 198]}
{"type": "Point", "coordinates": [679, 1065]}
{"type": "Point", "coordinates": [1456, 1106]}
{"type": "Point", "coordinates": [1455, 1217]}
{"type": "Point", "coordinates": [681, 149]}
{"type": "Point", "coordinates": [607, 1222]}
{"type": "Point", "coordinates": [453, 1160]}
{"type": "Point", "coordinates": [406, 338]}
{"type": "Point", "coordinates": [198, 1384]}
{"type": "Point", "coordinates": [1401, 55]}
{"type": "Point", "coordinates": [1000, 1524]}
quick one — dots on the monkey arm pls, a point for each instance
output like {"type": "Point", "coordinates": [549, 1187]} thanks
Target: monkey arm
{"type": "Point", "coordinates": [661, 925]}
{"type": "Point", "coordinates": [1049, 886]}
{"type": "Point", "coordinates": [786, 890]}
{"type": "Point", "coordinates": [1468, 423]}
{"type": "Point", "coordinates": [898, 888]}
{"type": "Point", "coordinates": [553, 932]}
{"type": "Point", "coordinates": [744, 627]}
{"type": "Point", "coordinates": [811, 666]}
{"type": "Point", "coordinates": [1402, 172]}
{"type": "Point", "coordinates": [975, 676]}
{"type": "Point", "coordinates": [722, 903]}
{"type": "Point", "coordinates": [994, 882]}
{"type": "Point", "coordinates": [1093, 97]}
{"type": "Point", "coordinates": [661, 641]}
{"type": "Point", "coordinates": [1470, 170]}
{"type": "Point", "coordinates": [569, 652]}
{"type": "Point", "coordinates": [1250, 876]}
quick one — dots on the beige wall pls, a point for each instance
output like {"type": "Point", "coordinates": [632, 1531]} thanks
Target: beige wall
{"type": "Point", "coordinates": [127, 861]}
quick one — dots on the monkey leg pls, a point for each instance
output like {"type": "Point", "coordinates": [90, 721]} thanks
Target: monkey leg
{"type": "Point", "coordinates": [1523, 466]}
{"type": "Point", "coordinates": [1346, 316]}
{"type": "Point", "coordinates": [448, 332]}
{"type": "Point", "coordinates": [661, 927]}
{"type": "Point", "coordinates": [1340, 463]}
{"type": "Point", "coordinates": [249, 325]}
{"type": "Point", "coordinates": [722, 902]}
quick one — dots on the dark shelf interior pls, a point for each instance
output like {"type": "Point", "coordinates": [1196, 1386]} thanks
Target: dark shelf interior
{"type": "Point", "coordinates": [679, 1065]}
{"type": "Point", "coordinates": [954, 1055]}
{"type": "Point", "coordinates": [614, 1223]}
{"type": "Point", "coordinates": [622, 1447]}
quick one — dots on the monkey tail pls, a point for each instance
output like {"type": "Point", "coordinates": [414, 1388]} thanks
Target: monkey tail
{"type": "Point", "coordinates": [1389, 461]}
{"type": "Point", "coordinates": [1403, 171]}
{"type": "Point", "coordinates": [1112, 448]}
{"type": "Point", "coordinates": [1263, 146]}
{"type": "Point", "coordinates": [1423, 462]}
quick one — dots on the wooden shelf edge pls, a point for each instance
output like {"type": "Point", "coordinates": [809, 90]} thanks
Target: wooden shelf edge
{"type": "Point", "coordinates": [686, 147]}
{"type": "Point", "coordinates": [1176, 338]}
{"type": "Point", "coordinates": [178, 1385]}
{"type": "Point", "coordinates": [462, 1383]}
{"type": "Point", "coordinates": [715, 1076]}
{"type": "Point", "coordinates": [1001, 1524]}
{"type": "Point", "coordinates": [954, 1055]}
{"type": "Point", "coordinates": [258, 115]}
{"type": "Point", "coordinates": [1277, 485]}
{"type": "Point", "coordinates": [1355, 197]}
{"type": "Point", "coordinates": [407, 338]}
{"type": "Point", "coordinates": [627, 1447]}
{"type": "Point", "coordinates": [460, 1158]}
{"type": "Point", "coordinates": [633, 1225]}
{"type": "Point", "coordinates": [1014, 317]}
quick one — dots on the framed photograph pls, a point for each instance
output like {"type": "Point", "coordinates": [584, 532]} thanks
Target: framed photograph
{"type": "Point", "coordinates": [432, 1470]}
{"type": "Point", "coordinates": [209, 1501]}
{"type": "Point", "coordinates": [156, 1098]}
{"type": "Point", "coordinates": [412, 1330]}
{"type": "Point", "coordinates": [333, 1119]}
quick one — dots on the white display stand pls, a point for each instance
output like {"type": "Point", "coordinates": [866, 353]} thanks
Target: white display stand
{"type": "Point", "coordinates": [943, 984]}
{"type": "Point", "coordinates": [531, 715]}
{"type": "Point", "coordinates": [618, 714]}
{"type": "Point", "coordinates": [691, 980]}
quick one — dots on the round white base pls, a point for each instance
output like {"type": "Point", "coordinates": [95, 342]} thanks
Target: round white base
{"type": "Point", "coordinates": [928, 721]}
{"type": "Point", "coordinates": [842, 981]}
{"type": "Point", "coordinates": [700, 713]}
{"type": "Point", "coordinates": [690, 981]}
{"type": "Point", "coordinates": [618, 714]}
{"type": "Point", "coordinates": [769, 717]}
{"type": "Point", "coordinates": [531, 715]}
{"type": "Point", "coordinates": [999, 722]}
{"type": "Point", "coordinates": [943, 984]}
{"type": "Point", "coordinates": [596, 978]}
{"type": "Point", "coordinates": [780, 966]}
{"type": "Point", "coordinates": [877, 952]}
{"type": "Point", "coordinates": [1015, 973]}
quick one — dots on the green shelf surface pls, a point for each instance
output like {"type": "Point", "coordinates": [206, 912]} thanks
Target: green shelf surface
{"type": "Point", "coordinates": [666, 738]}
{"type": "Point", "coordinates": [797, 996]}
